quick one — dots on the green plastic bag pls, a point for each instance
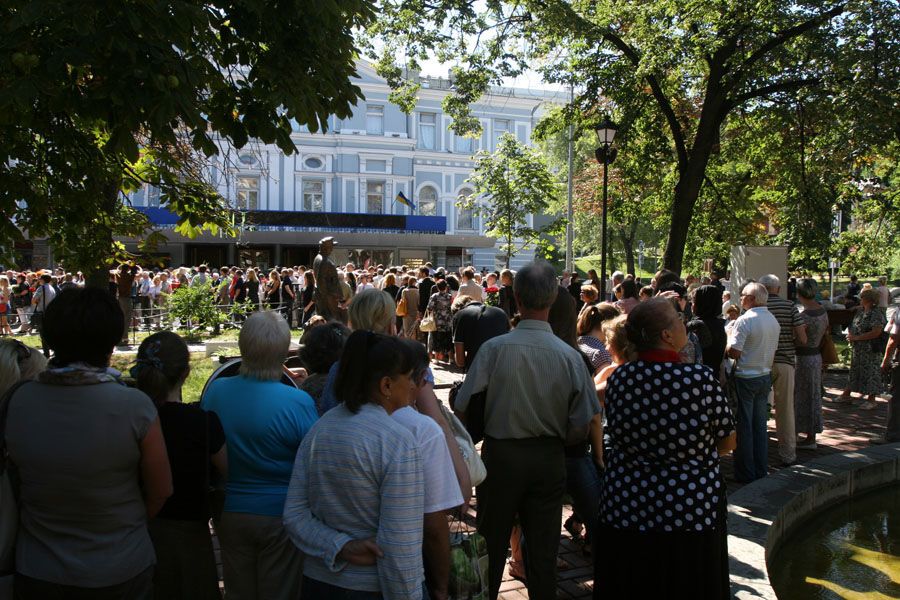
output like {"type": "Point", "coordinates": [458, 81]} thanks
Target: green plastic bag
{"type": "Point", "coordinates": [468, 567]}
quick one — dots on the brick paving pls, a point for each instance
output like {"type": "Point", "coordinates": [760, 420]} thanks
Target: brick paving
{"type": "Point", "coordinates": [846, 428]}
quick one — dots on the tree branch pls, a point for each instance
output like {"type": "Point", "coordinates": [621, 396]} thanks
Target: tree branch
{"type": "Point", "coordinates": [788, 34]}
{"type": "Point", "coordinates": [665, 105]}
{"type": "Point", "coordinates": [784, 86]}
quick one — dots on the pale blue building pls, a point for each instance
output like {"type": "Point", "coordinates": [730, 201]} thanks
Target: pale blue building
{"type": "Point", "coordinates": [344, 183]}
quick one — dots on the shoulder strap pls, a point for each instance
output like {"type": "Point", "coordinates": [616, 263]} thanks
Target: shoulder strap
{"type": "Point", "coordinates": [4, 411]}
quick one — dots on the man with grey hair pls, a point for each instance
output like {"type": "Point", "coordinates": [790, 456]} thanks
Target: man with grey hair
{"type": "Point", "coordinates": [540, 397]}
{"type": "Point", "coordinates": [752, 342]}
{"type": "Point", "coordinates": [792, 334]}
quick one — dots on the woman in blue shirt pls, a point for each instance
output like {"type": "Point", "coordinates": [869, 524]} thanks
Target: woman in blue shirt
{"type": "Point", "coordinates": [264, 422]}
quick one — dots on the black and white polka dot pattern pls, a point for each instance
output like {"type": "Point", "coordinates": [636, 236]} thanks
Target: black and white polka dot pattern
{"type": "Point", "coordinates": [663, 420]}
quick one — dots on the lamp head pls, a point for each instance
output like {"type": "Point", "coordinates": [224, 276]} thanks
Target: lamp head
{"type": "Point", "coordinates": [606, 131]}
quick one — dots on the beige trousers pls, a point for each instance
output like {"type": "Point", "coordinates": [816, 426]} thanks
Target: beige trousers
{"type": "Point", "coordinates": [783, 390]}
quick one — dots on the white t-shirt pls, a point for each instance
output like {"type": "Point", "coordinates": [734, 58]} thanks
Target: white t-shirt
{"type": "Point", "coordinates": [472, 290]}
{"type": "Point", "coordinates": [755, 333]}
{"type": "Point", "coordinates": [441, 486]}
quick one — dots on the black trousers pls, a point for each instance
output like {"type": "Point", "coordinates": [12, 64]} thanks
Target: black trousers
{"type": "Point", "coordinates": [139, 587]}
{"type": "Point", "coordinates": [893, 425]}
{"type": "Point", "coordinates": [526, 478]}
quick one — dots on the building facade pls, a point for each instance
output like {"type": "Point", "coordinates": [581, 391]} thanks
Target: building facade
{"type": "Point", "coordinates": [345, 182]}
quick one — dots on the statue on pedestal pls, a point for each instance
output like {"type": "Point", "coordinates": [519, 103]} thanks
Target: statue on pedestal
{"type": "Point", "coordinates": [328, 287]}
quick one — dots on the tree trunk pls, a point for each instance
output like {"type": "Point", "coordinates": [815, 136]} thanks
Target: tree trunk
{"type": "Point", "coordinates": [690, 178]}
{"type": "Point", "coordinates": [627, 234]}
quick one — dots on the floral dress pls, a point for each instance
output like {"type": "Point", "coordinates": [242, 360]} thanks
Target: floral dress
{"type": "Point", "coordinates": [439, 305]}
{"type": "Point", "coordinates": [808, 374]}
{"type": "Point", "coordinates": [865, 365]}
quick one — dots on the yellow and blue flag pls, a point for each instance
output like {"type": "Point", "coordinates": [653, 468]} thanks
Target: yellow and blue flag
{"type": "Point", "coordinates": [402, 199]}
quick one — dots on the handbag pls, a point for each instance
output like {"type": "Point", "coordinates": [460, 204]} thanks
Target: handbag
{"type": "Point", "coordinates": [402, 309]}
{"type": "Point", "coordinates": [731, 390]}
{"type": "Point", "coordinates": [469, 575]}
{"type": "Point", "coordinates": [428, 324]}
{"type": "Point", "coordinates": [474, 413]}
{"type": "Point", "coordinates": [828, 350]}
{"type": "Point", "coordinates": [477, 470]}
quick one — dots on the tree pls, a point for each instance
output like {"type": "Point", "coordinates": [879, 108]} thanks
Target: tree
{"type": "Point", "coordinates": [695, 64]}
{"type": "Point", "coordinates": [98, 98]}
{"type": "Point", "coordinates": [517, 183]}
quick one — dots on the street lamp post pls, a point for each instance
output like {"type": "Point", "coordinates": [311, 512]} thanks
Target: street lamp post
{"type": "Point", "coordinates": [605, 154]}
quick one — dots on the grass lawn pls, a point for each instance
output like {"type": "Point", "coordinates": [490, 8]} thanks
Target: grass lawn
{"type": "Point", "coordinates": [586, 263]}
{"type": "Point", "coordinates": [201, 368]}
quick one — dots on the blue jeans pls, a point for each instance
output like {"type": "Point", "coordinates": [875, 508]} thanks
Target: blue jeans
{"type": "Point", "coordinates": [751, 458]}
{"type": "Point", "coordinates": [583, 485]}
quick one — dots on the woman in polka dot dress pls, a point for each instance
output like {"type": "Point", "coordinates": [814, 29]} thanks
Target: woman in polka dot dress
{"type": "Point", "coordinates": [663, 508]}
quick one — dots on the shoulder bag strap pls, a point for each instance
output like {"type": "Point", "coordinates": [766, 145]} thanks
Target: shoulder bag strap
{"type": "Point", "coordinates": [4, 411]}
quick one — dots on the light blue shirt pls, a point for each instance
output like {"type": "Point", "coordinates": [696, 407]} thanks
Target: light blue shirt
{"type": "Point", "coordinates": [359, 476]}
{"type": "Point", "coordinates": [264, 423]}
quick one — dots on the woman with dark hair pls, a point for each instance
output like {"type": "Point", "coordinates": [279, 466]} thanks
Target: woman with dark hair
{"type": "Point", "coordinates": [287, 298]}
{"type": "Point", "coordinates": [626, 296]}
{"type": "Point", "coordinates": [308, 297]}
{"type": "Point", "coordinates": [185, 564]}
{"type": "Point", "coordinates": [593, 280]}
{"type": "Point", "coordinates": [358, 479]}
{"type": "Point", "coordinates": [320, 348]}
{"type": "Point", "coordinates": [440, 343]}
{"type": "Point", "coordinates": [251, 289]}
{"type": "Point", "coordinates": [709, 326]}
{"type": "Point", "coordinates": [91, 459]}
{"type": "Point", "coordinates": [663, 498]}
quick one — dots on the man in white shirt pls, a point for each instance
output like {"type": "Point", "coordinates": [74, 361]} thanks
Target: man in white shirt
{"type": "Point", "coordinates": [752, 342]}
{"type": "Point", "coordinates": [469, 287]}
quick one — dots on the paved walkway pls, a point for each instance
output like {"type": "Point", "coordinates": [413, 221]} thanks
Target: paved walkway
{"type": "Point", "coordinates": [846, 428]}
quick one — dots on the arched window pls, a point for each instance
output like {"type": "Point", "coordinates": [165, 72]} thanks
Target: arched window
{"type": "Point", "coordinates": [465, 217]}
{"type": "Point", "coordinates": [428, 202]}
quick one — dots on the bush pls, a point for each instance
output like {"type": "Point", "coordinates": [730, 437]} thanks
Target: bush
{"type": "Point", "coordinates": [195, 307]}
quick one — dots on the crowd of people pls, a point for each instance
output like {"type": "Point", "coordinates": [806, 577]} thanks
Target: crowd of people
{"type": "Point", "coordinates": [338, 479]}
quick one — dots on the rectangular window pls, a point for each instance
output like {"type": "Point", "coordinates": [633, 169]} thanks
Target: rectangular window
{"type": "Point", "coordinates": [248, 193]}
{"type": "Point", "coordinates": [374, 119]}
{"type": "Point", "coordinates": [465, 219]}
{"type": "Point", "coordinates": [501, 126]}
{"type": "Point", "coordinates": [313, 195]}
{"type": "Point", "coordinates": [427, 122]}
{"type": "Point", "coordinates": [463, 145]}
{"type": "Point", "coordinates": [375, 197]}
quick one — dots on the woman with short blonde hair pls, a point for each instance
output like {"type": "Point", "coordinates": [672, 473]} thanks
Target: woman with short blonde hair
{"type": "Point", "coordinates": [18, 362]}
{"type": "Point", "coordinates": [373, 310]}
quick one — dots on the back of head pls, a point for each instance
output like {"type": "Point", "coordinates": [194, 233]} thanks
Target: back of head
{"type": "Point", "coordinates": [771, 283]}
{"type": "Point", "coordinates": [647, 321]}
{"type": "Point", "coordinates": [807, 288]}
{"type": "Point", "coordinates": [323, 345]}
{"type": "Point", "coordinates": [18, 362]}
{"type": "Point", "coordinates": [163, 361]}
{"type": "Point", "coordinates": [665, 276]}
{"type": "Point", "coordinates": [264, 342]}
{"type": "Point", "coordinates": [708, 301]}
{"type": "Point", "coordinates": [367, 358]}
{"type": "Point", "coordinates": [535, 286]}
{"type": "Point", "coordinates": [563, 317]}
{"type": "Point", "coordinates": [592, 317]}
{"type": "Point", "coordinates": [83, 325]}
{"type": "Point", "coordinates": [629, 289]}
{"type": "Point", "coordinates": [617, 338]}
{"type": "Point", "coordinates": [372, 310]}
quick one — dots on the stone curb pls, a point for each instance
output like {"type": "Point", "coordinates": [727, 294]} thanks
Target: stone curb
{"type": "Point", "coordinates": [764, 513]}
